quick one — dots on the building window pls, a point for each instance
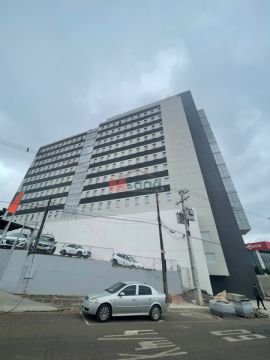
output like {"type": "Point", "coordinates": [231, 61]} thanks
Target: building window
{"type": "Point", "coordinates": [146, 199]}
{"type": "Point", "coordinates": [118, 203]}
{"type": "Point", "coordinates": [109, 203]}
{"type": "Point", "coordinates": [126, 202]}
{"type": "Point", "coordinates": [168, 196]}
{"type": "Point", "coordinates": [211, 258]}
{"type": "Point", "coordinates": [100, 206]}
{"type": "Point", "coordinates": [137, 200]}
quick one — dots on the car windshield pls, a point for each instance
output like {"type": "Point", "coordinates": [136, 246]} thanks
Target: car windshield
{"type": "Point", "coordinates": [131, 258]}
{"type": "Point", "coordinates": [16, 234]}
{"type": "Point", "coordinates": [46, 238]}
{"type": "Point", "coordinates": [116, 287]}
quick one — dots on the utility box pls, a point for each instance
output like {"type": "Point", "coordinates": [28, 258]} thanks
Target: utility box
{"type": "Point", "coordinates": [180, 218]}
{"type": "Point", "coordinates": [189, 213]}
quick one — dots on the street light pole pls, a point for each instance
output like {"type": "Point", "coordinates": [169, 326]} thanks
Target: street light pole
{"type": "Point", "coordinates": [195, 278]}
{"type": "Point", "coordinates": [163, 261]}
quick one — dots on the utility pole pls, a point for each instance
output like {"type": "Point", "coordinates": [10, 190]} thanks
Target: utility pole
{"type": "Point", "coordinates": [163, 261]}
{"type": "Point", "coordinates": [185, 220]}
{"type": "Point", "coordinates": [41, 226]}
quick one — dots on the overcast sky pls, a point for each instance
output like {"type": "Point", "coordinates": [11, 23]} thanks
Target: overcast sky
{"type": "Point", "coordinates": [67, 65]}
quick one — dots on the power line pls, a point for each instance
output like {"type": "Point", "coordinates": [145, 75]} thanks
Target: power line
{"type": "Point", "coordinates": [17, 147]}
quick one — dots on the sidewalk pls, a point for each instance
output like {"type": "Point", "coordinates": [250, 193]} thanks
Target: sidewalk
{"type": "Point", "coordinates": [15, 303]}
{"type": "Point", "coordinates": [187, 306]}
{"type": "Point", "coordinates": [192, 306]}
{"type": "Point", "coordinates": [266, 304]}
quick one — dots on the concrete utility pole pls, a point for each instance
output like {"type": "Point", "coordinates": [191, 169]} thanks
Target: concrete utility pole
{"type": "Point", "coordinates": [163, 261]}
{"type": "Point", "coordinates": [198, 294]}
{"type": "Point", "coordinates": [41, 226]}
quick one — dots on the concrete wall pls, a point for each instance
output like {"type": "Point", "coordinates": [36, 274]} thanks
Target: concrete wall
{"type": "Point", "coordinates": [139, 239]}
{"type": "Point", "coordinates": [55, 275]}
{"type": "Point", "coordinates": [3, 257]}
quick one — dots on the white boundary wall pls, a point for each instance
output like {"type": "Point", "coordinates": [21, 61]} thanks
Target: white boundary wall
{"type": "Point", "coordinates": [135, 238]}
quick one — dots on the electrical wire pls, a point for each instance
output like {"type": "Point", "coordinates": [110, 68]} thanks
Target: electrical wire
{"type": "Point", "coordinates": [17, 147]}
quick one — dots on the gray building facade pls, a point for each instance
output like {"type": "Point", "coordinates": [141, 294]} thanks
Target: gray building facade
{"type": "Point", "coordinates": [166, 146]}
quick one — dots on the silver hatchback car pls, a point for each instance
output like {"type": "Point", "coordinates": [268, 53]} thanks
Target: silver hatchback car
{"type": "Point", "coordinates": [126, 299]}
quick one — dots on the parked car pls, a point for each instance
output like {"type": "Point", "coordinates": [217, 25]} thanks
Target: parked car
{"type": "Point", "coordinates": [75, 250]}
{"type": "Point", "coordinates": [125, 299]}
{"type": "Point", "coordinates": [8, 241]}
{"type": "Point", "coordinates": [46, 244]}
{"type": "Point", "coordinates": [126, 260]}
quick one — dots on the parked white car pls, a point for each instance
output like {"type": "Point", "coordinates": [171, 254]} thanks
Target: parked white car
{"type": "Point", "coordinates": [75, 250]}
{"type": "Point", "coordinates": [126, 260]}
{"type": "Point", "coordinates": [21, 240]}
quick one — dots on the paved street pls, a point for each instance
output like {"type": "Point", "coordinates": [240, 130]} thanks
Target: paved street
{"type": "Point", "coordinates": [189, 335]}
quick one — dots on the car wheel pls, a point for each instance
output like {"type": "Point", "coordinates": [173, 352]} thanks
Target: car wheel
{"type": "Point", "coordinates": [79, 254]}
{"type": "Point", "coordinates": [155, 313]}
{"type": "Point", "coordinates": [63, 252]}
{"type": "Point", "coordinates": [104, 312]}
{"type": "Point", "coordinates": [114, 262]}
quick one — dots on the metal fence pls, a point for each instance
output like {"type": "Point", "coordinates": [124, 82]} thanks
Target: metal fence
{"type": "Point", "coordinates": [106, 254]}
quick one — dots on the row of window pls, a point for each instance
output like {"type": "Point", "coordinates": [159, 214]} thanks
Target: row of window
{"type": "Point", "coordinates": [120, 203]}
{"type": "Point", "coordinates": [49, 174]}
{"type": "Point", "coordinates": [56, 158]}
{"type": "Point", "coordinates": [129, 129]}
{"type": "Point", "coordinates": [37, 194]}
{"type": "Point", "coordinates": [59, 151]}
{"type": "Point", "coordinates": [55, 166]}
{"type": "Point", "coordinates": [62, 143]}
{"type": "Point", "coordinates": [113, 167]}
{"type": "Point", "coordinates": [57, 214]}
{"type": "Point", "coordinates": [124, 163]}
{"type": "Point", "coordinates": [134, 151]}
{"type": "Point", "coordinates": [133, 116]}
{"type": "Point", "coordinates": [48, 183]}
{"type": "Point", "coordinates": [118, 145]}
{"type": "Point", "coordinates": [111, 147]}
{"type": "Point", "coordinates": [103, 205]}
{"type": "Point", "coordinates": [134, 140]}
{"type": "Point", "coordinates": [38, 204]}
{"type": "Point", "coordinates": [122, 187]}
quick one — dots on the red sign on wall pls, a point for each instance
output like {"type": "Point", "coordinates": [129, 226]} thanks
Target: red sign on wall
{"type": "Point", "coordinates": [15, 203]}
{"type": "Point", "coordinates": [263, 245]}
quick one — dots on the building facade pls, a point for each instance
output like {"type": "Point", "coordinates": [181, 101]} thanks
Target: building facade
{"type": "Point", "coordinates": [116, 168]}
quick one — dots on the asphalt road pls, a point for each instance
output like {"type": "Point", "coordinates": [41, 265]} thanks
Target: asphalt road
{"type": "Point", "coordinates": [179, 335]}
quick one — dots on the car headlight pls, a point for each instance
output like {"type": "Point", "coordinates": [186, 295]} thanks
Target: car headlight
{"type": "Point", "coordinates": [93, 301]}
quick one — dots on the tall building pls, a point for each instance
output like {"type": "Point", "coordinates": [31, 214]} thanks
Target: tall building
{"type": "Point", "coordinates": [115, 169]}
